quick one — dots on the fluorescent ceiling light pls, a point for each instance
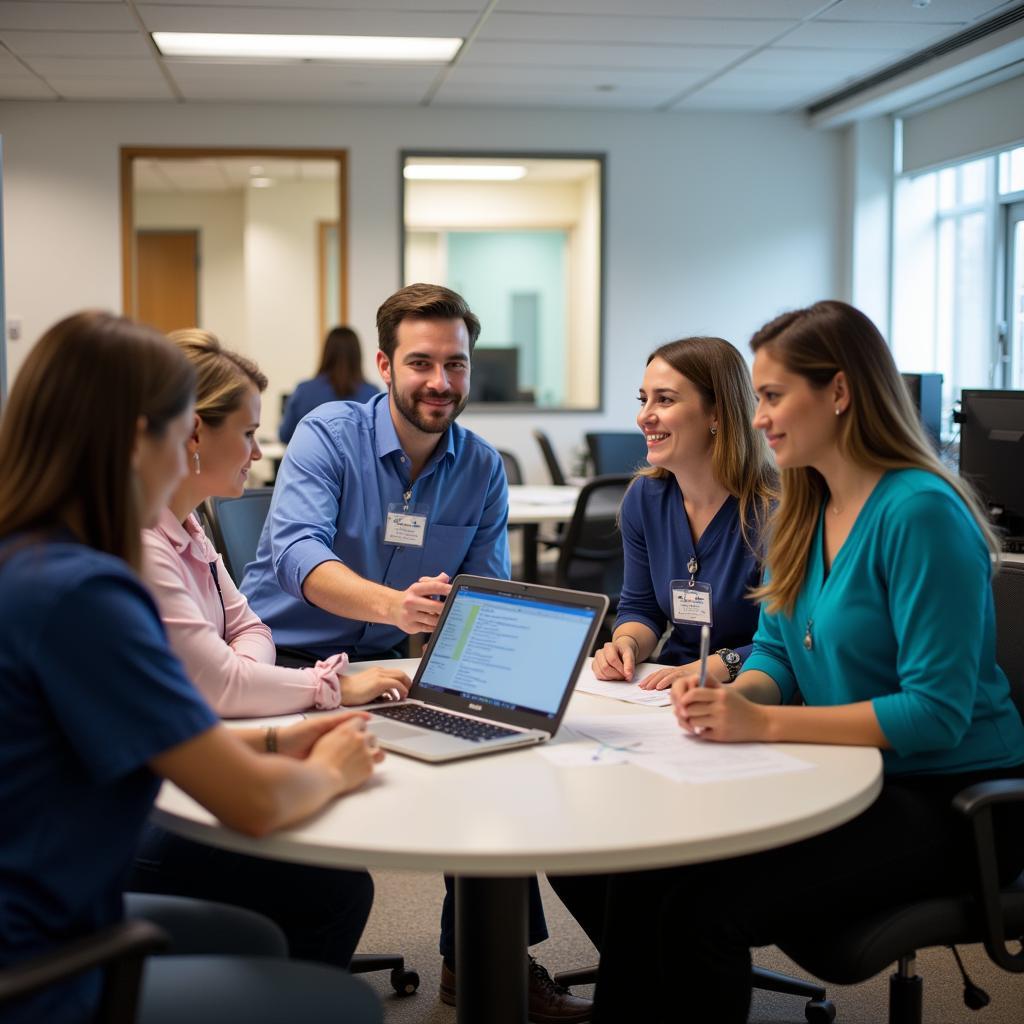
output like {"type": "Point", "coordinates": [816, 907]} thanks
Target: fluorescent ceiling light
{"type": "Point", "coordinates": [354, 48]}
{"type": "Point", "coordinates": [261, 182]}
{"type": "Point", "coordinates": [464, 172]}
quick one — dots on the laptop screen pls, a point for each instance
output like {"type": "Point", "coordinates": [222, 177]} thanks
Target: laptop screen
{"type": "Point", "coordinates": [506, 650]}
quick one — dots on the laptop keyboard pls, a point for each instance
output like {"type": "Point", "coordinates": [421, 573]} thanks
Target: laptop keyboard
{"type": "Point", "coordinates": [441, 721]}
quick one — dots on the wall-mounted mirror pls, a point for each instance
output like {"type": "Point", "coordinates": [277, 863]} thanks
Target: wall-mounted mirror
{"type": "Point", "coordinates": [520, 237]}
{"type": "Point", "coordinates": [249, 244]}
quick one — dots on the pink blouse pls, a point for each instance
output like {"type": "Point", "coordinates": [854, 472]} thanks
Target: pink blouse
{"type": "Point", "coordinates": [226, 650]}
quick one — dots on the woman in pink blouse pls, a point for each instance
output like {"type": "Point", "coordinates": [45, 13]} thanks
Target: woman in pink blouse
{"type": "Point", "coordinates": [227, 651]}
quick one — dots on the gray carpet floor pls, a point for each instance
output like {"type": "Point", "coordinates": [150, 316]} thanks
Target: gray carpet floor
{"type": "Point", "coordinates": [405, 919]}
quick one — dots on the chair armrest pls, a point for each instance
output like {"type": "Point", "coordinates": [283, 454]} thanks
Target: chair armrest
{"type": "Point", "coordinates": [976, 803]}
{"type": "Point", "coordinates": [122, 947]}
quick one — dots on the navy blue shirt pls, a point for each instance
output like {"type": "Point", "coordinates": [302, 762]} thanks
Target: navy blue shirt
{"type": "Point", "coordinates": [89, 693]}
{"type": "Point", "coordinates": [342, 471]}
{"type": "Point", "coordinates": [308, 394]}
{"type": "Point", "coordinates": [657, 544]}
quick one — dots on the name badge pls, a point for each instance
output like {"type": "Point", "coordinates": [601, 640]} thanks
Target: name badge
{"type": "Point", "coordinates": [691, 603]}
{"type": "Point", "coordinates": [405, 528]}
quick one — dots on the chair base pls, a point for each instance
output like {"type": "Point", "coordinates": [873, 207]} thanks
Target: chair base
{"type": "Point", "coordinates": [404, 982]}
{"type": "Point", "coordinates": [906, 998]}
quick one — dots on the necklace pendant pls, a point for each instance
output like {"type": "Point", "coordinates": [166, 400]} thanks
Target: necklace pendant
{"type": "Point", "coordinates": [808, 639]}
{"type": "Point", "coordinates": [692, 566]}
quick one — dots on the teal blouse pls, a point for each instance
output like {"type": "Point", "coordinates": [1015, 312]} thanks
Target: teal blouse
{"type": "Point", "coordinates": [905, 619]}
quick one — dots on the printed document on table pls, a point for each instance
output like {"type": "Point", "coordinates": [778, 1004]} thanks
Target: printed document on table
{"type": "Point", "coordinates": [629, 692]}
{"type": "Point", "coordinates": [656, 742]}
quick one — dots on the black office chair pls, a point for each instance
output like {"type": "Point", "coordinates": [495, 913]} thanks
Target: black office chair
{"type": "Point", "coordinates": [513, 471]}
{"type": "Point", "coordinates": [236, 525]}
{"type": "Point", "coordinates": [851, 953]}
{"type": "Point", "coordinates": [550, 458]}
{"type": "Point", "coordinates": [121, 949]}
{"type": "Point", "coordinates": [616, 451]}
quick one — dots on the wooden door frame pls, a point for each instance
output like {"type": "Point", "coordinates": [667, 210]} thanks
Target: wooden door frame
{"type": "Point", "coordinates": [129, 154]}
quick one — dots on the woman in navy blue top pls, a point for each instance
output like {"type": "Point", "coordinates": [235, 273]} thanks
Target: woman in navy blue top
{"type": "Point", "coordinates": [338, 379]}
{"type": "Point", "coordinates": [94, 708]}
{"type": "Point", "coordinates": [691, 523]}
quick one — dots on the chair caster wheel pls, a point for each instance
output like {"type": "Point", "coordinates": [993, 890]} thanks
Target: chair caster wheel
{"type": "Point", "coordinates": [404, 983]}
{"type": "Point", "coordinates": [820, 1013]}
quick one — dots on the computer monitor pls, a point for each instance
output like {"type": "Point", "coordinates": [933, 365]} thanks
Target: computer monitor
{"type": "Point", "coordinates": [926, 394]}
{"type": "Point", "coordinates": [494, 375]}
{"type": "Point", "coordinates": [992, 453]}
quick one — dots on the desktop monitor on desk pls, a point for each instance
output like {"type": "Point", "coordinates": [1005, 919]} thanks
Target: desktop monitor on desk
{"type": "Point", "coordinates": [494, 376]}
{"type": "Point", "coordinates": [992, 454]}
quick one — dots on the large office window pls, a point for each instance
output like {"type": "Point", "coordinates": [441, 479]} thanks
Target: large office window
{"type": "Point", "coordinates": [958, 274]}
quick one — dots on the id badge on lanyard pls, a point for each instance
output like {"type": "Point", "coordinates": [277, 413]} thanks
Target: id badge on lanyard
{"type": "Point", "coordinates": [406, 524]}
{"type": "Point", "coordinates": [691, 599]}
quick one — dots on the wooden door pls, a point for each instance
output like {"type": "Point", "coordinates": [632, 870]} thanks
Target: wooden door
{"type": "Point", "coordinates": [168, 279]}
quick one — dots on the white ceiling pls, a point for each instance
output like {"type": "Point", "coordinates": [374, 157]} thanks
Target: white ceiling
{"type": "Point", "coordinates": [770, 55]}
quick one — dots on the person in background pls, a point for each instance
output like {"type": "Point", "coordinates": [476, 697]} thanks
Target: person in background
{"type": "Point", "coordinates": [877, 606]}
{"type": "Point", "coordinates": [339, 379]}
{"type": "Point", "coordinates": [95, 708]}
{"type": "Point", "coordinates": [376, 508]}
{"type": "Point", "coordinates": [692, 523]}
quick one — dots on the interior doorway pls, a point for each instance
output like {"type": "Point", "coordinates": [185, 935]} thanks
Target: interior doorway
{"type": "Point", "coordinates": [167, 264]}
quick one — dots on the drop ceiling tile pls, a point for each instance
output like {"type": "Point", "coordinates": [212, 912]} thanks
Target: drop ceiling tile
{"type": "Point", "coordinates": [224, 18]}
{"type": "Point", "coordinates": [501, 27]}
{"type": "Point", "coordinates": [791, 10]}
{"type": "Point", "coordinates": [405, 6]}
{"type": "Point", "coordinates": [838, 35]}
{"type": "Point", "coordinates": [739, 102]}
{"type": "Point", "coordinates": [140, 68]}
{"type": "Point", "coordinates": [76, 44]}
{"type": "Point", "coordinates": [572, 78]}
{"type": "Point", "coordinates": [852, 62]}
{"type": "Point", "coordinates": [99, 88]}
{"type": "Point", "coordinates": [266, 77]}
{"type": "Point", "coordinates": [548, 99]}
{"type": "Point", "coordinates": [942, 11]}
{"type": "Point", "coordinates": [19, 84]}
{"type": "Point", "coordinates": [587, 55]}
{"type": "Point", "coordinates": [30, 15]}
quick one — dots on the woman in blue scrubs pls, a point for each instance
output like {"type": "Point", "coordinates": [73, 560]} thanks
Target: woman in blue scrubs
{"type": "Point", "coordinates": [95, 709]}
{"type": "Point", "coordinates": [691, 524]}
{"type": "Point", "coordinates": [878, 607]}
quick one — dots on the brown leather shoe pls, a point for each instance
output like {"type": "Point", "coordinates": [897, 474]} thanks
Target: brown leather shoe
{"type": "Point", "coordinates": [549, 1002]}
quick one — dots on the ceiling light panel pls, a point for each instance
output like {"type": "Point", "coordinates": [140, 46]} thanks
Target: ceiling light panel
{"type": "Point", "coordinates": [464, 172]}
{"type": "Point", "coordinates": [234, 46]}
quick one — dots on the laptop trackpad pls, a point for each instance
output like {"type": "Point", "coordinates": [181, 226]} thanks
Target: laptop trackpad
{"type": "Point", "coordinates": [385, 730]}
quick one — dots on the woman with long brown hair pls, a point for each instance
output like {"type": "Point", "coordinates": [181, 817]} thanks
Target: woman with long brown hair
{"type": "Point", "coordinates": [877, 606]}
{"type": "Point", "coordinates": [339, 378]}
{"type": "Point", "coordinates": [94, 707]}
{"type": "Point", "coordinates": [691, 523]}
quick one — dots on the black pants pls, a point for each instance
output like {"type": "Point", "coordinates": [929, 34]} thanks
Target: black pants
{"type": "Point", "coordinates": [675, 944]}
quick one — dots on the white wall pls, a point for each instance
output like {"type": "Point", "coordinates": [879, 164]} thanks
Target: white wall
{"type": "Point", "coordinates": [219, 217]}
{"type": "Point", "coordinates": [714, 222]}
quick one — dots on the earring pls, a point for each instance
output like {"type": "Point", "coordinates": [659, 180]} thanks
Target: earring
{"type": "Point", "coordinates": [838, 411]}
{"type": "Point", "coordinates": [195, 460]}
{"type": "Point", "coordinates": [714, 431]}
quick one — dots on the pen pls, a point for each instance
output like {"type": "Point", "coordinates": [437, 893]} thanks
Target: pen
{"type": "Point", "coordinates": [705, 645]}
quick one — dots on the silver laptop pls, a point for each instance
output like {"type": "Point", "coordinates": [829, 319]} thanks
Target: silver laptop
{"type": "Point", "coordinates": [498, 672]}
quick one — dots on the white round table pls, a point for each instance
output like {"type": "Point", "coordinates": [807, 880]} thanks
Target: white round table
{"type": "Point", "coordinates": [494, 821]}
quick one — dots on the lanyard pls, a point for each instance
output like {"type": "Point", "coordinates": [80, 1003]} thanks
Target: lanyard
{"type": "Point", "coordinates": [220, 594]}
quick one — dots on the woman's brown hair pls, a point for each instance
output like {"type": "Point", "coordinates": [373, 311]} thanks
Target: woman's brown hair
{"type": "Point", "coordinates": [879, 430]}
{"type": "Point", "coordinates": [740, 459]}
{"type": "Point", "coordinates": [71, 423]}
{"type": "Point", "coordinates": [222, 377]}
{"type": "Point", "coordinates": [342, 361]}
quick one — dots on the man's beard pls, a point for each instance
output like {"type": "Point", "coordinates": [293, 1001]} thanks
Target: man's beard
{"type": "Point", "coordinates": [428, 424]}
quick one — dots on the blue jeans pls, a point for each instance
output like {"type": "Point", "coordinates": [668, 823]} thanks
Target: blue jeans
{"type": "Point", "coordinates": [322, 911]}
{"type": "Point", "coordinates": [537, 927]}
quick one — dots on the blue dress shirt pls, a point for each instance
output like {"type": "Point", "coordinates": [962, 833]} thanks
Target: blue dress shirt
{"type": "Point", "coordinates": [657, 545]}
{"type": "Point", "coordinates": [308, 394]}
{"type": "Point", "coordinates": [905, 619]}
{"type": "Point", "coordinates": [342, 471]}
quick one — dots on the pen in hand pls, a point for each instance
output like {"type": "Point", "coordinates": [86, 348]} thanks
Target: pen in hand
{"type": "Point", "coordinates": [705, 646]}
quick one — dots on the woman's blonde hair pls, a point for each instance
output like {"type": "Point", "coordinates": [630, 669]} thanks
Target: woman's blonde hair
{"type": "Point", "coordinates": [222, 377]}
{"type": "Point", "coordinates": [879, 430]}
{"type": "Point", "coordinates": [740, 459]}
{"type": "Point", "coordinates": [71, 424]}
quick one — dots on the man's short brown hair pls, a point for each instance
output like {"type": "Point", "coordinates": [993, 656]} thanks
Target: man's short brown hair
{"type": "Point", "coordinates": [422, 302]}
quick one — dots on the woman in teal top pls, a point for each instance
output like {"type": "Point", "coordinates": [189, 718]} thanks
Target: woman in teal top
{"type": "Point", "coordinates": [878, 607]}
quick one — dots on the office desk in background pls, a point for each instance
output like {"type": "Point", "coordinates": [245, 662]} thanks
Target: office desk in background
{"type": "Point", "coordinates": [496, 820]}
{"type": "Point", "coordinates": [531, 506]}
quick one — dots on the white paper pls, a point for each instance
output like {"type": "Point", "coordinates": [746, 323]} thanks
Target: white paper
{"type": "Point", "coordinates": [656, 742]}
{"type": "Point", "coordinates": [629, 692]}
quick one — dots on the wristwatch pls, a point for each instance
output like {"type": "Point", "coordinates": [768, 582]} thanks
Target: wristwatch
{"type": "Point", "coordinates": [733, 662]}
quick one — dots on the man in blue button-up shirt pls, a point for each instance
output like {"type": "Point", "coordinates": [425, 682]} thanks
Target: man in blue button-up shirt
{"type": "Point", "coordinates": [325, 578]}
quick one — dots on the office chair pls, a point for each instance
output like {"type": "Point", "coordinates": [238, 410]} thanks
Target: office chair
{"type": "Point", "coordinates": [121, 949]}
{"type": "Point", "coordinates": [513, 471]}
{"type": "Point", "coordinates": [550, 458]}
{"type": "Point", "coordinates": [616, 451]}
{"type": "Point", "coordinates": [851, 953]}
{"type": "Point", "coordinates": [236, 525]}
